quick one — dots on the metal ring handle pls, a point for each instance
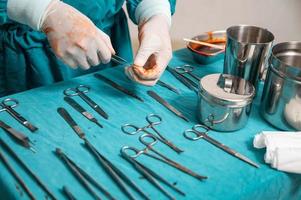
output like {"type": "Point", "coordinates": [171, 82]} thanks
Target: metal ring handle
{"type": "Point", "coordinates": [126, 149]}
{"type": "Point", "coordinates": [83, 88]}
{"type": "Point", "coordinates": [192, 135]}
{"type": "Point", "coordinates": [10, 102]}
{"type": "Point", "coordinates": [130, 129]}
{"type": "Point", "coordinates": [201, 128]}
{"type": "Point", "coordinates": [148, 140]}
{"type": "Point", "coordinates": [153, 119]}
{"type": "Point", "coordinates": [71, 92]}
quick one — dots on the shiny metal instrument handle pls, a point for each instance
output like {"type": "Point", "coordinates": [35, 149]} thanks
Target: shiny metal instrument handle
{"type": "Point", "coordinates": [130, 129]}
{"type": "Point", "coordinates": [193, 135]}
{"type": "Point", "coordinates": [148, 140]}
{"type": "Point", "coordinates": [201, 128]}
{"type": "Point", "coordinates": [83, 88]}
{"type": "Point", "coordinates": [153, 119]}
{"type": "Point", "coordinates": [184, 69]}
{"type": "Point", "coordinates": [71, 92]}
{"type": "Point", "coordinates": [130, 152]}
{"type": "Point", "coordinates": [10, 102]}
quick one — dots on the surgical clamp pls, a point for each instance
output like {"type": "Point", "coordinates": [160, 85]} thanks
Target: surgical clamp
{"type": "Point", "coordinates": [153, 120]}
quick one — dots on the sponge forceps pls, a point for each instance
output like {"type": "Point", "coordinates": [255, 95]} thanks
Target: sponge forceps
{"type": "Point", "coordinates": [153, 120]}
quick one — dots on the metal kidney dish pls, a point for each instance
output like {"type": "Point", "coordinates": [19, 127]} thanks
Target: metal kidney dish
{"type": "Point", "coordinates": [224, 102]}
{"type": "Point", "coordinates": [281, 98]}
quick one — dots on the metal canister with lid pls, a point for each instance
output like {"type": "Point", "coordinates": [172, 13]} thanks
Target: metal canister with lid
{"type": "Point", "coordinates": [224, 102]}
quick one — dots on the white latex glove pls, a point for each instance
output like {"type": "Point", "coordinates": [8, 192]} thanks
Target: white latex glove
{"type": "Point", "coordinates": [74, 38]}
{"type": "Point", "coordinates": [154, 52]}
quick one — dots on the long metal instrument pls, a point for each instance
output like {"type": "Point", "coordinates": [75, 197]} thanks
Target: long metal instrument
{"type": "Point", "coordinates": [166, 104]}
{"type": "Point", "coordinates": [16, 176]}
{"type": "Point", "coordinates": [70, 121]}
{"type": "Point", "coordinates": [82, 111]}
{"type": "Point", "coordinates": [118, 87]}
{"type": "Point", "coordinates": [119, 177]}
{"type": "Point", "coordinates": [27, 169]}
{"type": "Point", "coordinates": [83, 176]}
{"type": "Point", "coordinates": [68, 194]}
{"type": "Point", "coordinates": [168, 86]}
{"type": "Point", "coordinates": [17, 136]}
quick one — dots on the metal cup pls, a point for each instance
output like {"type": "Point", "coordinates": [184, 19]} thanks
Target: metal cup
{"type": "Point", "coordinates": [247, 52]}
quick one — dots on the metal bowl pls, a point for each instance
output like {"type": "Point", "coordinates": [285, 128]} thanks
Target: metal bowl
{"type": "Point", "coordinates": [281, 98]}
{"type": "Point", "coordinates": [207, 55]}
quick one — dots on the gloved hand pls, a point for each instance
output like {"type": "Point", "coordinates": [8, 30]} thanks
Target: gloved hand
{"type": "Point", "coordinates": [154, 52]}
{"type": "Point", "coordinates": [74, 38]}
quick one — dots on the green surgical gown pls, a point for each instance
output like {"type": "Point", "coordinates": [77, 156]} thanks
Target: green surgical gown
{"type": "Point", "coordinates": [27, 61]}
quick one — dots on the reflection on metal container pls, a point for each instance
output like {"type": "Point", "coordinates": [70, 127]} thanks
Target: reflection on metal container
{"type": "Point", "coordinates": [281, 98]}
{"type": "Point", "coordinates": [247, 52]}
{"type": "Point", "coordinates": [224, 102]}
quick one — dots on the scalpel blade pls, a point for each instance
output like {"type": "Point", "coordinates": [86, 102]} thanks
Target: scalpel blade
{"type": "Point", "coordinates": [118, 87]}
{"type": "Point", "coordinates": [67, 117]}
{"type": "Point", "coordinates": [166, 104]}
{"type": "Point", "coordinates": [81, 110]}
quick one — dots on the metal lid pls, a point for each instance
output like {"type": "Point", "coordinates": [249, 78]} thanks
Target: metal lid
{"type": "Point", "coordinates": [224, 89]}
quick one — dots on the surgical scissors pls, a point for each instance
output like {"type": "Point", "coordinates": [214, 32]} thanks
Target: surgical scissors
{"type": "Point", "coordinates": [81, 91]}
{"type": "Point", "coordinates": [201, 132]}
{"type": "Point", "coordinates": [149, 141]}
{"type": "Point", "coordinates": [187, 69]}
{"type": "Point", "coordinates": [8, 105]}
{"type": "Point", "coordinates": [153, 120]}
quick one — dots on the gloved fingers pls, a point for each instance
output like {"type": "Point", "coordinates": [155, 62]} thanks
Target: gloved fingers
{"type": "Point", "coordinates": [70, 62]}
{"type": "Point", "coordinates": [107, 41]}
{"type": "Point", "coordinates": [163, 59]}
{"type": "Point", "coordinates": [78, 56]}
{"type": "Point", "coordinates": [103, 52]}
{"type": "Point", "coordinates": [132, 76]}
{"type": "Point", "coordinates": [149, 71]}
{"type": "Point", "coordinates": [92, 57]}
{"type": "Point", "coordinates": [148, 46]}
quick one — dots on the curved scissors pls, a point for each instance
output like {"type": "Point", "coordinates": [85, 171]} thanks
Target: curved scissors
{"type": "Point", "coordinates": [80, 91]}
{"type": "Point", "coordinates": [8, 105]}
{"type": "Point", "coordinates": [187, 69]}
{"type": "Point", "coordinates": [201, 132]}
{"type": "Point", "coordinates": [153, 120]}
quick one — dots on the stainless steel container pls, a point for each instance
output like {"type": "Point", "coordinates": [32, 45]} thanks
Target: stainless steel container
{"type": "Point", "coordinates": [224, 102]}
{"type": "Point", "coordinates": [247, 52]}
{"type": "Point", "coordinates": [281, 98]}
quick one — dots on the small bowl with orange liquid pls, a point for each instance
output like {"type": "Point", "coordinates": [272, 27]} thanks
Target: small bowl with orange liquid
{"type": "Point", "coordinates": [205, 54]}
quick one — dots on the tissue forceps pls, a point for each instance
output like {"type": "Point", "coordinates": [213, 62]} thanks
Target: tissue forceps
{"type": "Point", "coordinates": [8, 105]}
{"type": "Point", "coordinates": [201, 132]}
{"type": "Point", "coordinates": [153, 120]}
{"type": "Point", "coordinates": [187, 69]}
{"type": "Point", "coordinates": [80, 91]}
{"type": "Point", "coordinates": [149, 141]}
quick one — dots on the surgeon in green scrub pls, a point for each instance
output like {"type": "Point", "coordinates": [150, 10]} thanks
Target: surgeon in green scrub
{"type": "Point", "coordinates": [44, 41]}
